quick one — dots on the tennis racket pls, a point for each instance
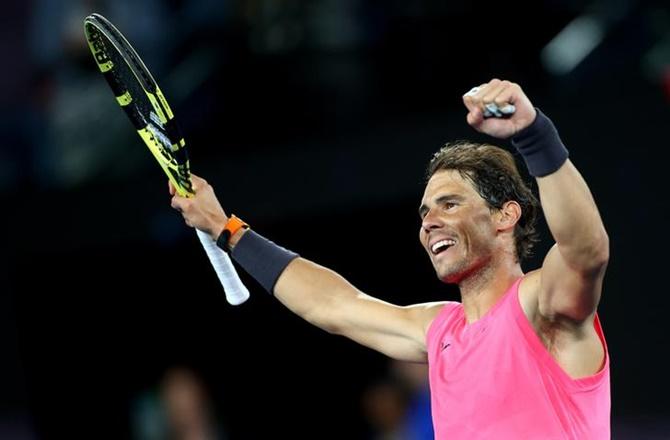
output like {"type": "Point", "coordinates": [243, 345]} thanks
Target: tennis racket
{"type": "Point", "coordinates": [138, 95]}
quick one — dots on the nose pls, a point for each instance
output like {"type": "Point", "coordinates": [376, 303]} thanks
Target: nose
{"type": "Point", "coordinates": [431, 221]}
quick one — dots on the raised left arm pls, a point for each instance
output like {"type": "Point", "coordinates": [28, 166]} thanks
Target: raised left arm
{"type": "Point", "coordinates": [570, 280]}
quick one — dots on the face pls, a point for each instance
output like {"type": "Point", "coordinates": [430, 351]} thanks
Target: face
{"type": "Point", "coordinates": [457, 227]}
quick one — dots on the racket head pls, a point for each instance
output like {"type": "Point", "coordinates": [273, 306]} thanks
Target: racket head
{"type": "Point", "coordinates": [139, 96]}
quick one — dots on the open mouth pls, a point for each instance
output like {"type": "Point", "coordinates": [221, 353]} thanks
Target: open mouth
{"type": "Point", "coordinates": [441, 246]}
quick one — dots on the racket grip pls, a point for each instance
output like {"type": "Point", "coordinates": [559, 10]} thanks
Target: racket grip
{"type": "Point", "coordinates": [236, 292]}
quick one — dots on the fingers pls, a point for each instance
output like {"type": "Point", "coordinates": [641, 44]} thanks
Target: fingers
{"type": "Point", "coordinates": [502, 101]}
{"type": "Point", "coordinates": [179, 202]}
{"type": "Point", "coordinates": [183, 205]}
{"type": "Point", "coordinates": [496, 98]}
{"type": "Point", "coordinates": [202, 211]}
{"type": "Point", "coordinates": [475, 116]}
{"type": "Point", "coordinates": [468, 98]}
{"type": "Point", "coordinates": [492, 90]}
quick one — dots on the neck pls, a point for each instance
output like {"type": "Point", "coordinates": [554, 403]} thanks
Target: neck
{"type": "Point", "coordinates": [482, 289]}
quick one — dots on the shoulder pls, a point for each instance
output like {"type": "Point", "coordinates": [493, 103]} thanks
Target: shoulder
{"type": "Point", "coordinates": [577, 347]}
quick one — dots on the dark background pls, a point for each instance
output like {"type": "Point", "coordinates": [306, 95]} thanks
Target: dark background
{"type": "Point", "coordinates": [314, 122]}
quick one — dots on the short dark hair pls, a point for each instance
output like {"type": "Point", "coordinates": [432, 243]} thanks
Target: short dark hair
{"type": "Point", "coordinates": [494, 175]}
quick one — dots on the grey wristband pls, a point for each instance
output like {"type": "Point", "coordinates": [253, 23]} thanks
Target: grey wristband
{"type": "Point", "coordinates": [261, 258]}
{"type": "Point", "coordinates": [541, 147]}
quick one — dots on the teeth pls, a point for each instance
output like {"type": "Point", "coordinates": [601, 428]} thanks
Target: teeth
{"type": "Point", "coordinates": [442, 243]}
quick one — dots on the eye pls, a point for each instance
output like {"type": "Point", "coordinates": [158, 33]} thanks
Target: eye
{"type": "Point", "coordinates": [449, 205]}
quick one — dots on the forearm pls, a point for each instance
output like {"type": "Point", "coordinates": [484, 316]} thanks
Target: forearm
{"type": "Point", "coordinates": [311, 291]}
{"type": "Point", "coordinates": [568, 205]}
{"type": "Point", "coordinates": [573, 218]}
{"type": "Point", "coordinates": [314, 293]}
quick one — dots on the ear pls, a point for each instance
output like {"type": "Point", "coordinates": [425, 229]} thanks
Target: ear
{"type": "Point", "coordinates": [508, 215]}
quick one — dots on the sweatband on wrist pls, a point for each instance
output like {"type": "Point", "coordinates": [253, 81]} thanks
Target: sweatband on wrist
{"type": "Point", "coordinates": [261, 258]}
{"type": "Point", "coordinates": [540, 146]}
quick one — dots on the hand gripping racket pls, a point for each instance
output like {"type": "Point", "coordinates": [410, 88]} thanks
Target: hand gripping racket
{"type": "Point", "coordinates": [139, 96]}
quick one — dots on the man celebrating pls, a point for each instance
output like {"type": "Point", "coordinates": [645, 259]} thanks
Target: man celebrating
{"type": "Point", "coordinates": [522, 356]}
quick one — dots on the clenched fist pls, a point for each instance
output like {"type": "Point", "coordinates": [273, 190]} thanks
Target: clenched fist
{"type": "Point", "coordinates": [503, 94]}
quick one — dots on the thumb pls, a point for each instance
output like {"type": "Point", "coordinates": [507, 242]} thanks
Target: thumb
{"type": "Point", "coordinates": [171, 188]}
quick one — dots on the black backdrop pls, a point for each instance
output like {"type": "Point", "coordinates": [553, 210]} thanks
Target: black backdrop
{"type": "Point", "coordinates": [321, 148]}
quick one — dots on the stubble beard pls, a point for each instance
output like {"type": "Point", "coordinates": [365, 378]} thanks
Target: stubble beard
{"type": "Point", "coordinates": [464, 267]}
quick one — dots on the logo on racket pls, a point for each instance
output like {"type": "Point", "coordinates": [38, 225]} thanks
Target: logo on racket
{"type": "Point", "coordinates": [98, 46]}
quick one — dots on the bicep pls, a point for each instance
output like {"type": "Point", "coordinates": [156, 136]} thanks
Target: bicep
{"type": "Point", "coordinates": [325, 299]}
{"type": "Point", "coordinates": [396, 331]}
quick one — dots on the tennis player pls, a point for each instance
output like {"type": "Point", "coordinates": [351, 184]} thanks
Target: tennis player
{"type": "Point", "coordinates": [523, 355]}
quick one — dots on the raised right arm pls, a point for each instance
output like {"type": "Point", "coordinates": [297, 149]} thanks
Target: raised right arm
{"type": "Point", "coordinates": [327, 300]}
{"type": "Point", "coordinates": [323, 297]}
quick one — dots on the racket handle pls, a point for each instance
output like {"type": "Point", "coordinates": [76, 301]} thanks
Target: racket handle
{"type": "Point", "coordinates": [236, 292]}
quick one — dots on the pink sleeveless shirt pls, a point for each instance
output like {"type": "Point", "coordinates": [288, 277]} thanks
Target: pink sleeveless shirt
{"type": "Point", "coordinates": [493, 379]}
